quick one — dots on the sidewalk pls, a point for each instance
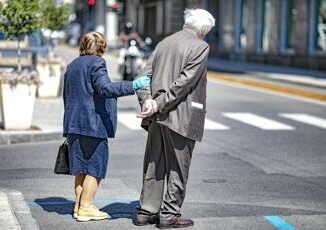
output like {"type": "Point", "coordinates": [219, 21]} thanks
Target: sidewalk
{"type": "Point", "coordinates": [274, 73]}
{"type": "Point", "coordinates": [309, 84]}
{"type": "Point", "coordinates": [46, 124]}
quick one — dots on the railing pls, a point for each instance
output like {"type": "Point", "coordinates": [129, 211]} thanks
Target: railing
{"type": "Point", "coordinates": [8, 58]}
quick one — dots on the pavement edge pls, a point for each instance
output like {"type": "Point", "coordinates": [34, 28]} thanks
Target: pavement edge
{"type": "Point", "coordinates": [21, 210]}
{"type": "Point", "coordinates": [26, 137]}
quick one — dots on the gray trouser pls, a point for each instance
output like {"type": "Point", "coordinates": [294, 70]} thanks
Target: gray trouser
{"type": "Point", "coordinates": [167, 154]}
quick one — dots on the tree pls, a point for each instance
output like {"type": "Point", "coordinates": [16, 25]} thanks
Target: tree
{"type": "Point", "coordinates": [54, 17]}
{"type": "Point", "coordinates": [19, 18]}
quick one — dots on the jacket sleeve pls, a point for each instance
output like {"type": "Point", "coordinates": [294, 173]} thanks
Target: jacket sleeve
{"type": "Point", "coordinates": [64, 89]}
{"type": "Point", "coordinates": [186, 82]}
{"type": "Point", "coordinates": [104, 87]}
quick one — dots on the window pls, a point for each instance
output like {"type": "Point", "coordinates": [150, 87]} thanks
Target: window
{"type": "Point", "coordinates": [289, 20]}
{"type": "Point", "coordinates": [264, 25]}
{"type": "Point", "coordinates": [150, 19]}
{"type": "Point", "coordinates": [243, 23]}
{"type": "Point", "coordinates": [266, 32]}
{"type": "Point", "coordinates": [241, 15]}
{"type": "Point", "coordinates": [213, 37]}
{"type": "Point", "coordinates": [320, 26]}
{"type": "Point", "coordinates": [227, 25]}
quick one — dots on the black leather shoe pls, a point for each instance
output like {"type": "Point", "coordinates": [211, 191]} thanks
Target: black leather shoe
{"type": "Point", "coordinates": [179, 223]}
{"type": "Point", "coordinates": [142, 220]}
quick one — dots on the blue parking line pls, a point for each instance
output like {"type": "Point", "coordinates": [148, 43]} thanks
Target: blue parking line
{"type": "Point", "coordinates": [279, 223]}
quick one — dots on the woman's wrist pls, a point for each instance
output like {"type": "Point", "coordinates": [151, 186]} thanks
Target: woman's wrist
{"type": "Point", "coordinates": [141, 82]}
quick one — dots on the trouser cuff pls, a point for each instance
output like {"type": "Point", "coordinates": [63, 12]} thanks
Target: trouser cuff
{"type": "Point", "coordinates": [166, 219]}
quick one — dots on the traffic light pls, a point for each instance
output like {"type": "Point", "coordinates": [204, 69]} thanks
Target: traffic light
{"type": "Point", "coordinates": [91, 2]}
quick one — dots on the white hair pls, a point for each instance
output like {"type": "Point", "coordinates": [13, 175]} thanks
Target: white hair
{"type": "Point", "coordinates": [199, 20]}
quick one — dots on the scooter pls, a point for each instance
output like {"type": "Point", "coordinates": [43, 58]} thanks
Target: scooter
{"type": "Point", "coordinates": [134, 59]}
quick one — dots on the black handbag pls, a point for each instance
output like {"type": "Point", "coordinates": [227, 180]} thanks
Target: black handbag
{"type": "Point", "coordinates": [62, 161]}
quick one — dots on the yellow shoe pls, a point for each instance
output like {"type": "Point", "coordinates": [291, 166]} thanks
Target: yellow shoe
{"type": "Point", "coordinates": [91, 213]}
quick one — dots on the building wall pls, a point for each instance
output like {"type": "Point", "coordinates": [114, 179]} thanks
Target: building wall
{"type": "Point", "coordinates": [244, 30]}
{"type": "Point", "coordinates": [156, 18]}
{"type": "Point", "coordinates": [250, 46]}
{"type": "Point", "coordinates": [194, 3]}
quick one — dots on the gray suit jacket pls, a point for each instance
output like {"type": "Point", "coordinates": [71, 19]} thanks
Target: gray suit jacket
{"type": "Point", "coordinates": [178, 67]}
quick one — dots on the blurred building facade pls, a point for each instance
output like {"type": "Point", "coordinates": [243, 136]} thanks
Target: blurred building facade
{"type": "Point", "coordinates": [157, 18]}
{"type": "Point", "coordinates": [280, 32]}
{"type": "Point", "coordinates": [100, 15]}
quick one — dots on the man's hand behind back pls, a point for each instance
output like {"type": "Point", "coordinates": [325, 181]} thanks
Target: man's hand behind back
{"type": "Point", "coordinates": [149, 107]}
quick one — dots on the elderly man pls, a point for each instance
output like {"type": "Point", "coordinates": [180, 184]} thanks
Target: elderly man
{"type": "Point", "coordinates": [174, 113]}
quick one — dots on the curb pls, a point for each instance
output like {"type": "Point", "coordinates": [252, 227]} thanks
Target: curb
{"type": "Point", "coordinates": [15, 137]}
{"type": "Point", "coordinates": [21, 210]}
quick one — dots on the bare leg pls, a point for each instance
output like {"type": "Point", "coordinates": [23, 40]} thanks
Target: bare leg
{"type": "Point", "coordinates": [87, 210]}
{"type": "Point", "coordinates": [79, 180]}
{"type": "Point", "coordinates": [89, 189]}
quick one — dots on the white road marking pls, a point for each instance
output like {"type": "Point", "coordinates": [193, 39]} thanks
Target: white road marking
{"type": "Point", "coordinates": [305, 118]}
{"type": "Point", "coordinates": [212, 125]}
{"type": "Point", "coordinates": [130, 120]}
{"type": "Point", "coordinates": [258, 121]}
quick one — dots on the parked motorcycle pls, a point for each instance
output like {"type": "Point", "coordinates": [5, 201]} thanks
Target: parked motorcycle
{"type": "Point", "coordinates": [134, 58]}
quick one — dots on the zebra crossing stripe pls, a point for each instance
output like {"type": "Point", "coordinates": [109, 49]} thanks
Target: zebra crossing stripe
{"type": "Point", "coordinates": [129, 120]}
{"type": "Point", "coordinates": [258, 121]}
{"type": "Point", "coordinates": [212, 125]}
{"type": "Point", "coordinates": [305, 118]}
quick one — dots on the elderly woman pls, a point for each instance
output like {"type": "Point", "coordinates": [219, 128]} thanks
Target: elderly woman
{"type": "Point", "coordinates": [90, 104]}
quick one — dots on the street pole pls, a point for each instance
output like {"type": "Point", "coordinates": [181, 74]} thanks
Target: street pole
{"type": "Point", "coordinates": [111, 22]}
{"type": "Point", "coordinates": [100, 16]}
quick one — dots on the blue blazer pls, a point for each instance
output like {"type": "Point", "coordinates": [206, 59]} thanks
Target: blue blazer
{"type": "Point", "coordinates": [90, 98]}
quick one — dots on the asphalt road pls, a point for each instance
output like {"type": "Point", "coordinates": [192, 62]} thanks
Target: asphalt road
{"type": "Point", "coordinates": [261, 165]}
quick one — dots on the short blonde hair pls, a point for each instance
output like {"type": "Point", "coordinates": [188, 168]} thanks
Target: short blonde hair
{"type": "Point", "coordinates": [92, 43]}
{"type": "Point", "coordinates": [198, 19]}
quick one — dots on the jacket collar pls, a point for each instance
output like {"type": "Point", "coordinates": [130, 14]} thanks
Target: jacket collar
{"type": "Point", "coordinates": [190, 31]}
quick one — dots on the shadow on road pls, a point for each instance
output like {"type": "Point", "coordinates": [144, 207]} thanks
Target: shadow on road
{"type": "Point", "coordinates": [59, 205]}
{"type": "Point", "coordinates": [121, 210]}
{"type": "Point", "coordinates": [116, 209]}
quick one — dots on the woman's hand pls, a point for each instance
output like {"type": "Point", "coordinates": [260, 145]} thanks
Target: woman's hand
{"type": "Point", "coordinates": [141, 82]}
